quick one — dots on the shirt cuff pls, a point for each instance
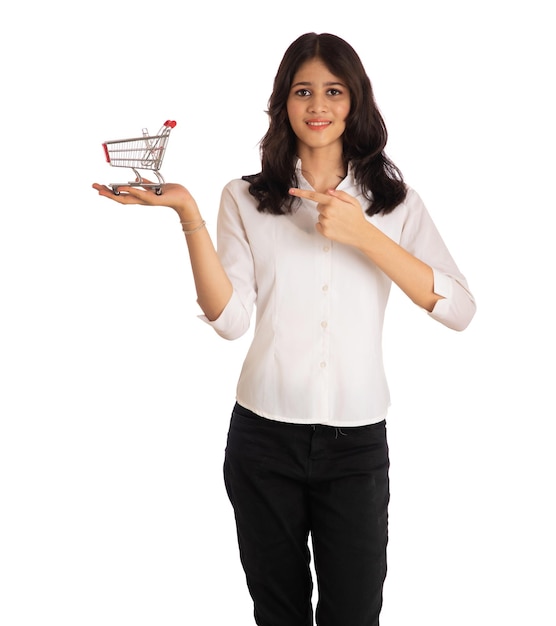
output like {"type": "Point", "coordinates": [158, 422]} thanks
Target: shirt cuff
{"type": "Point", "coordinates": [443, 285]}
{"type": "Point", "coordinates": [456, 307]}
{"type": "Point", "coordinates": [232, 322]}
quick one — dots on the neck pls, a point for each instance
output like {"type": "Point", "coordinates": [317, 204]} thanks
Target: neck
{"type": "Point", "coordinates": [322, 169]}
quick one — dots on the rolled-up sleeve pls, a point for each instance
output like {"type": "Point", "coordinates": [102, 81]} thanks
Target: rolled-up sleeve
{"type": "Point", "coordinates": [420, 236]}
{"type": "Point", "coordinates": [236, 257]}
{"type": "Point", "coordinates": [457, 306]}
{"type": "Point", "coordinates": [233, 322]}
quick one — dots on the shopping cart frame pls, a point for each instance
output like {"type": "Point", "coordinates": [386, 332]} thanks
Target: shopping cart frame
{"type": "Point", "coordinates": [140, 153]}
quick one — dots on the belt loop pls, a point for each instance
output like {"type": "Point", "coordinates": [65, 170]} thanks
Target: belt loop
{"type": "Point", "coordinates": [339, 431]}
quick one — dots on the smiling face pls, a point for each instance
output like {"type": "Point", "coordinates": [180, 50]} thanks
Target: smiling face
{"type": "Point", "coordinates": [318, 105]}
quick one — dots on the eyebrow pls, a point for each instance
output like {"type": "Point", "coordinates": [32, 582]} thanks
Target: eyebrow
{"type": "Point", "coordinates": [309, 84]}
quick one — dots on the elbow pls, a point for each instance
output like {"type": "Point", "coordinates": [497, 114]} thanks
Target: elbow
{"type": "Point", "coordinates": [233, 322]}
{"type": "Point", "coordinates": [456, 315]}
{"type": "Point", "coordinates": [467, 313]}
{"type": "Point", "coordinates": [461, 320]}
{"type": "Point", "coordinates": [455, 306]}
{"type": "Point", "coordinates": [231, 334]}
{"type": "Point", "coordinates": [459, 326]}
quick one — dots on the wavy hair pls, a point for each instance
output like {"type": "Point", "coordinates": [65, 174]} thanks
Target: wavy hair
{"type": "Point", "coordinates": [364, 138]}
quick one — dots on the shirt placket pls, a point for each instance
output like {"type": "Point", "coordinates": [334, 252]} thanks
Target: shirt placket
{"type": "Point", "coordinates": [325, 261]}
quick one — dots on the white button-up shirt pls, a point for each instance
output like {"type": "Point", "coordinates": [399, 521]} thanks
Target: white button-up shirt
{"type": "Point", "coordinates": [316, 354]}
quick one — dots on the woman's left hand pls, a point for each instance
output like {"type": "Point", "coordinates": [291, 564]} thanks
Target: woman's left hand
{"type": "Point", "coordinates": [341, 217]}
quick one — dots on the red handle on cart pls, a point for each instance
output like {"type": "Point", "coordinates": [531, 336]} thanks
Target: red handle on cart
{"type": "Point", "coordinates": [106, 152]}
{"type": "Point", "coordinates": [170, 123]}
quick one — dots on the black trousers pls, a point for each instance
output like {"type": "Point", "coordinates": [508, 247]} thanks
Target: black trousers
{"type": "Point", "coordinates": [287, 482]}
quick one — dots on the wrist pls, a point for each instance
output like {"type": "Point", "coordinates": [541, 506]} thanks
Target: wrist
{"type": "Point", "coordinates": [188, 214]}
{"type": "Point", "coordinates": [190, 227]}
{"type": "Point", "coordinates": [187, 209]}
{"type": "Point", "coordinates": [366, 238]}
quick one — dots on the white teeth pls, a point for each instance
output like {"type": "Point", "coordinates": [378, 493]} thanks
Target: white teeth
{"type": "Point", "coordinates": [318, 123]}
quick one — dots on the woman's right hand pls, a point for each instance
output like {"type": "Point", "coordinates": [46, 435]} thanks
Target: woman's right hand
{"type": "Point", "coordinates": [175, 196]}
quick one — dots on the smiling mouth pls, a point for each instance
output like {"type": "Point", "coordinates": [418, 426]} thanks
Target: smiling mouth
{"type": "Point", "coordinates": [318, 124]}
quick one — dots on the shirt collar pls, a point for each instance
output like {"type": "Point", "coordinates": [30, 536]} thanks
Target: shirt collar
{"type": "Point", "coordinates": [345, 185]}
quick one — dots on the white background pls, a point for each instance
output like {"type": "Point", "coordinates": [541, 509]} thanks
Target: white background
{"type": "Point", "coordinates": [115, 399]}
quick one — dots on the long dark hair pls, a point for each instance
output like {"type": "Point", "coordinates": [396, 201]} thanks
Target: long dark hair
{"type": "Point", "coordinates": [364, 138]}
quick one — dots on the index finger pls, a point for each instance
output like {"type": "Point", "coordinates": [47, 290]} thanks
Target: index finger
{"type": "Point", "coordinates": [316, 196]}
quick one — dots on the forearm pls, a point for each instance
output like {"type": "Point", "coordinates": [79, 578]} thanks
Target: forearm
{"type": "Point", "coordinates": [212, 284]}
{"type": "Point", "coordinates": [414, 277]}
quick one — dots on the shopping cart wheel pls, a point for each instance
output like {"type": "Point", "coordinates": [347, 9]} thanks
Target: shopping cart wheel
{"type": "Point", "coordinates": [115, 190]}
{"type": "Point", "coordinates": [158, 191]}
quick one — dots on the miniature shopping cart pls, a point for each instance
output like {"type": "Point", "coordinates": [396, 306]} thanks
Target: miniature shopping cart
{"type": "Point", "coordinates": [140, 153]}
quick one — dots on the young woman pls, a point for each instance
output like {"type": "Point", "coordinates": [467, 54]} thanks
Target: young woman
{"type": "Point", "coordinates": [314, 241]}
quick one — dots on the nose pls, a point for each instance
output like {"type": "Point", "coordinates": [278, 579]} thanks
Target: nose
{"type": "Point", "coordinates": [317, 104]}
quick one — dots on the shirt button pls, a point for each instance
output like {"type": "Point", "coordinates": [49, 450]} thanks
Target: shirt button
{"type": "Point", "coordinates": [326, 248]}
{"type": "Point", "coordinates": [325, 287]}
{"type": "Point", "coordinates": [323, 364]}
{"type": "Point", "coordinates": [324, 324]}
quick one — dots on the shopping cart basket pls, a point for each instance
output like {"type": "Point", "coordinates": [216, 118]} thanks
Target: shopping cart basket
{"type": "Point", "coordinates": [140, 153]}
